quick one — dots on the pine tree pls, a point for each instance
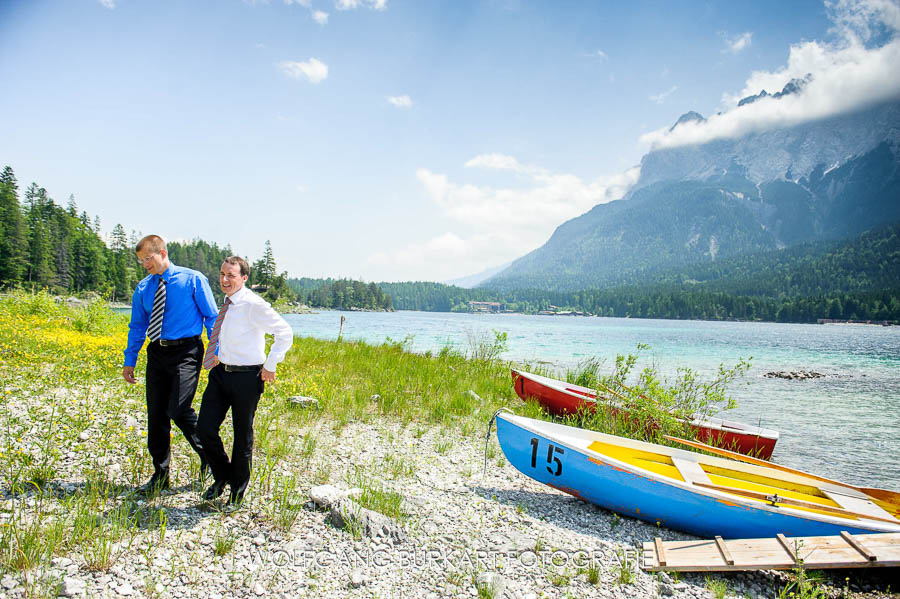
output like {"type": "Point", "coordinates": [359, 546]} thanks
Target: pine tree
{"type": "Point", "coordinates": [40, 254]}
{"type": "Point", "coordinates": [119, 241]}
{"type": "Point", "coordinates": [270, 271]}
{"type": "Point", "coordinates": [13, 234]}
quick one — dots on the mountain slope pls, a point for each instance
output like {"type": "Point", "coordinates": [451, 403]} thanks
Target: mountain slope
{"type": "Point", "coordinates": [829, 179]}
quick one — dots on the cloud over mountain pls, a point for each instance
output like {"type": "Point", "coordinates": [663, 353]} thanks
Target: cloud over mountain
{"type": "Point", "coordinates": [850, 73]}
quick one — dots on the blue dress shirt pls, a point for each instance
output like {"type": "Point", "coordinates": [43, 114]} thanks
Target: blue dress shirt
{"type": "Point", "coordinates": [189, 306]}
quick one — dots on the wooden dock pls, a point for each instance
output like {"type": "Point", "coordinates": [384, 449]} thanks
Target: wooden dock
{"type": "Point", "coordinates": [780, 553]}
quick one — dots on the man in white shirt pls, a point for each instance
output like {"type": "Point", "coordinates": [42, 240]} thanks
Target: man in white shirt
{"type": "Point", "coordinates": [239, 372]}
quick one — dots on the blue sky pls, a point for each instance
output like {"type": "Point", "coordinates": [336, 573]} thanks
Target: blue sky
{"type": "Point", "coordinates": [386, 139]}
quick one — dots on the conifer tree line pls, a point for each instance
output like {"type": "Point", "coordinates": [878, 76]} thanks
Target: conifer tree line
{"type": "Point", "coordinates": [46, 246]}
{"type": "Point", "coordinates": [344, 294]}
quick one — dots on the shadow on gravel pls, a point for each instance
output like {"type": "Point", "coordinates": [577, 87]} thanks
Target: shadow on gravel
{"type": "Point", "coordinates": [579, 516]}
{"type": "Point", "coordinates": [143, 512]}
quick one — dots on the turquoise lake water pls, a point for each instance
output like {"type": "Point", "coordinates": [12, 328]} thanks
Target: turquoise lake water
{"type": "Point", "coordinates": [845, 426]}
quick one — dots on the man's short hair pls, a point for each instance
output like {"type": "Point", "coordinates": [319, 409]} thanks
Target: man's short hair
{"type": "Point", "coordinates": [154, 243]}
{"type": "Point", "coordinates": [245, 268]}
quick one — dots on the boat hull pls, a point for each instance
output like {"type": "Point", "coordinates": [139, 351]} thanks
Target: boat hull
{"type": "Point", "coordinates": [568, 399]}
{"type": "Point", "coordinates": [590, 477]}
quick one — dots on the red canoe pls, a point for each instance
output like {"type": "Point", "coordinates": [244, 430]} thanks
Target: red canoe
{"type": "Point", "coordinates": [559, 398]}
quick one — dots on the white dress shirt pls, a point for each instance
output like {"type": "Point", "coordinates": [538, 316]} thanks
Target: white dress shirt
{"type": "Point", "coordinates": [242, 339]}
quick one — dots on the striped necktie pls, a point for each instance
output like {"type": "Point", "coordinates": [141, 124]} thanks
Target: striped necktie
{"type": "Point", "coordinates": [210, 355]}
{"type": "Point", "coordinates": [154, 330]}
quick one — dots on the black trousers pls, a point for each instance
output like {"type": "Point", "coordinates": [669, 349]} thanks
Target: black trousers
{"type": "Point", "coordinates": [172, 375]}
{"type": "Point", "coordinates": [239, 391]}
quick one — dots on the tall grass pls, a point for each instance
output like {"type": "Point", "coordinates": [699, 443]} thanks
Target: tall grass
{"type": "Point", "coordinates": [61, 393]}
{"type": "Point", "coordinates": [643, 405]}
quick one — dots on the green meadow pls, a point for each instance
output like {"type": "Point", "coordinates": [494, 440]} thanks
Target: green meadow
{"type": "Point", "coordinates": [73, 440]}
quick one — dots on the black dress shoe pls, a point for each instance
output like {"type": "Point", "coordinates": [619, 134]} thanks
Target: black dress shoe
{"type": "Point", "coordinates": [235, 501]}
{"type": "Point", "coordinates": [158, 482]}
{"type": "Point", "coordinates": [204, 472]}
{"type": "Point", "coordinates": [214, 490]}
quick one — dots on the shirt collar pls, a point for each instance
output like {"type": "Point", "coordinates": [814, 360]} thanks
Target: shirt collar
{"type": "Point", "coordinates": [239, 295]}
{"type": "Point", "coordinates": [167, 274]}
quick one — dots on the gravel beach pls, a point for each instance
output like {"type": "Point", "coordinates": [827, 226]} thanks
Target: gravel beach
{"type": "Point", "coordinates": [466, 531]}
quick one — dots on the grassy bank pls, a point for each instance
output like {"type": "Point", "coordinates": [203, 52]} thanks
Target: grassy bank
{"type": "Point", "coordinates": [73, 448]}
{"type": "Point", "coordinates": [74, 433]}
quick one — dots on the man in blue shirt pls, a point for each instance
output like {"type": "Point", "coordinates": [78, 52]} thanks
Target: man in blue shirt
{"type": "Point", "coordinates": [173, 318]}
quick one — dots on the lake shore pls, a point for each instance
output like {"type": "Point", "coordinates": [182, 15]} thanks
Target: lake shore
{"type": "Point", "coordinates": [403, 428]}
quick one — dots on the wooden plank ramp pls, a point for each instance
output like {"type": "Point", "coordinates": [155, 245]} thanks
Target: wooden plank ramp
{"type": "Point", "coordinates": [780, 553]}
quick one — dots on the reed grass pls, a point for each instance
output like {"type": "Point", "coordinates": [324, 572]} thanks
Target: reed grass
{"type": "Point", "coordinates": [374, 496]}
{"type": "Point", "coordinates": [71, 425]}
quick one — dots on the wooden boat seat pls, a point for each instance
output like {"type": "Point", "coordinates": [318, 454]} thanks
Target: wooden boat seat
{"type": "Point", "coordinates": [691, 471]}
{"type": "Point", "coordinates": [860, 506]}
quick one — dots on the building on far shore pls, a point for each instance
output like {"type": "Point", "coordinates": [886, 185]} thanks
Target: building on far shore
{"type": "Point", "coordinates": [884, 323]}
{"type": "Point", "coordinates": [492, 307]}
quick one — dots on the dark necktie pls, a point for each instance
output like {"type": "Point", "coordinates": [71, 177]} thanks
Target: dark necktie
{"type": "Point", "coordinates": [154, 331]}
{"type": "Point", "coordinates": [210, 355]}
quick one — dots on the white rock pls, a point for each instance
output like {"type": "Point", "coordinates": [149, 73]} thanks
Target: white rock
{"type": "Point", "coordinates": [304, 402]}
{"type": "Point", "coordinates": [358, 578]}
{"type": "Point", "coordinates": [258, 590]}
{"type": "Point", "coordinates": [72, 587]}
{"type": "Point", "coordinates": [492, 582]}
{"type": "Point", "coordinates": [324, 496]}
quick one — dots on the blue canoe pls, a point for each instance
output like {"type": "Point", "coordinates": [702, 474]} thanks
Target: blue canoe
{"type": "Point", "coordinates": [698, 494]}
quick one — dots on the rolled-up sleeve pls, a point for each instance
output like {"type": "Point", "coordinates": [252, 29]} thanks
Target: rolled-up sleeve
{"type": "Point", "coordinates": [264, 317]}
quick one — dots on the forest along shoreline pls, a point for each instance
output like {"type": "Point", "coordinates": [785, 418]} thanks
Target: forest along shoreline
{"type": "Point", "coordinates": [383, 485]}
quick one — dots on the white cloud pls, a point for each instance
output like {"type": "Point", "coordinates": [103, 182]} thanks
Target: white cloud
{"type": "Point", "coordinates": [661, 97]}
{"type": "Point", "coordinates": [403, 101]}
{"type": "Point", "coordinates": [552, 199]}
{"type": "Point", "coordinates": [303, 3]}
{"type": "Point", "coordinates": [320, 17]}
{"type": "Point", "coordinates": [861, 20]}
{"type": "Point", "coordinates": [302, 188]}
{"type": "Point", "coordinates": [738, 43]}
{"type": "Point", "coordinates": [847, 74]}
{"type": "Point", "coordinates": [601, 55]}
{"type": "Point", "coordinates": [443, 257]}
{"type": "Point", "coordinates": [354, 4]}
{"type": "Point", "coordinates": [499, 224]}
{"type": "Point", "coordinates": [497, 162]}
{"type": "Point", "coordinates": [314, 70]}
{"type": "Point", "coordinates": [110, 4]}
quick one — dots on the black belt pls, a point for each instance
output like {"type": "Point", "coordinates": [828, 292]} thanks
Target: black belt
{"type": "Point", "coordinates": [233, 368]}
{"type": "Point", "coordinates": [171, 342]}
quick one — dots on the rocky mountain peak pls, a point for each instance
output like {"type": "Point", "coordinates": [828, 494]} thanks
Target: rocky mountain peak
{"type": "Point", "coordinates": [688, 117]}
{"type": "Point", "coordinates": [793, 86]}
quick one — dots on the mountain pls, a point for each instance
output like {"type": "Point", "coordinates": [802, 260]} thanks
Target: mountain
{"type": "Point", "coordinates": [829, 179]}
{"type": "Point", "coordinates": [474, 280]}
